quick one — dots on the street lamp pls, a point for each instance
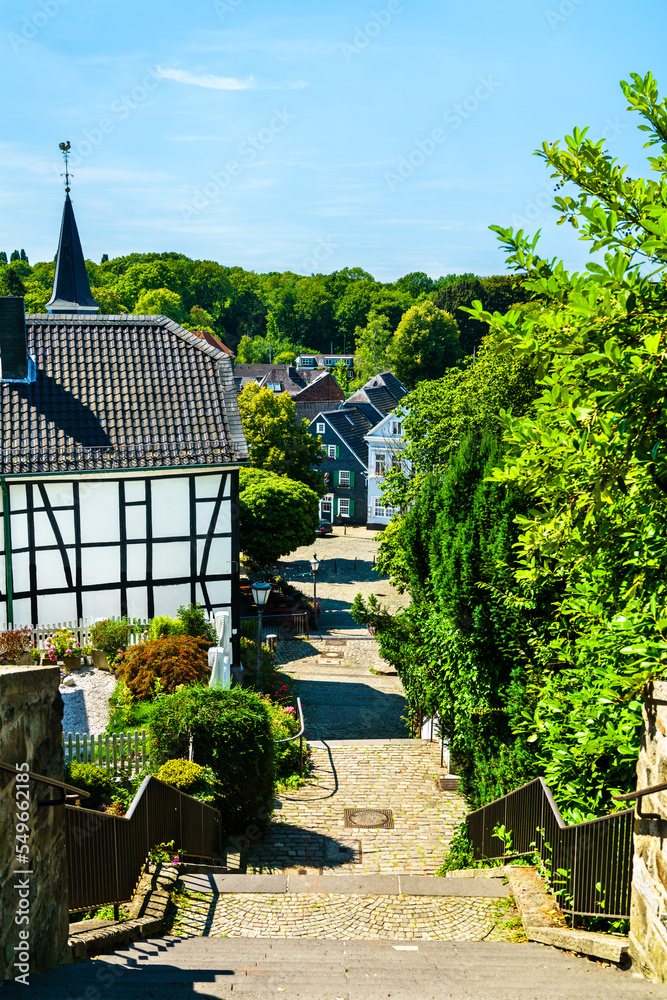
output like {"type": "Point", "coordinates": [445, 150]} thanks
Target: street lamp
{"type": "Point", "coordinates": [315, 565]}
{"type": "Point", "coordinates": [260, 595]}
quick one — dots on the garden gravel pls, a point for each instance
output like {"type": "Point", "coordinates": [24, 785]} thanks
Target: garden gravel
{"type": "Point", "coordinates": [87, 708]}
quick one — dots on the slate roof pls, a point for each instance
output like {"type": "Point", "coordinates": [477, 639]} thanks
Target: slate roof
{"type": "Point", "coordinates": [351, 424]}
{"type": "Point", "coordinates": [71, 288]}
{"type": "Point", "coordinates": [291, 379]}
{"type": "Point", "coordinates": [382, 392]}
{"type": "Point", "coordinates": [119, 392]}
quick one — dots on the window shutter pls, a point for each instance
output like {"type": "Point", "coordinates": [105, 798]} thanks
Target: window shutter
{"type": "Point", "coordinates": [351, 508]}
{"type": "Point", "coordinates": [335, 506]}
{"type": "Point", "coordinates": [351, 480]}
{"type": "Point", "coordinates": [337, 451]}
{"type": "Point", "coordinates": [336, 477]}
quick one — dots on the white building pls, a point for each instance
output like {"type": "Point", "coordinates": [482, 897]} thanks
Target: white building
{"type": "Point", "coordinates": [120, 444]}
{"type": "Point", "coordinates": [385, 446]}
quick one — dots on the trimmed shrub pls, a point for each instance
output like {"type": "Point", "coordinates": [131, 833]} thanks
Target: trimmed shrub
{"type": "Point", "coordinates": [191, 778]}
{"type": "Point", "coordinates": [163, 626]}
{"type": "Point", "coordinates": [232, 734]}
{"type": "Point", "coordinates": [93, 779]}
{"type": "Point", "coordinates": [162, 665]}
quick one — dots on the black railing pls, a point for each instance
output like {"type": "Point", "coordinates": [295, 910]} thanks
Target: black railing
{"type": "Point", "coordinates": [590, 864]}
{"type": "Point", "coordinates": [284, 626]}
{"type": "Point", "coordinates": [106, 854]}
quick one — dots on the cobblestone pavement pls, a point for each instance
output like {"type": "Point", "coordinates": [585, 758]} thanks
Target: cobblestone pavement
{"type": "Point", "coordinates": [308, 829]}
{"type": "Point", "coordinates": [342, 699]}
{"type": "Point", "coordinates": [345, 917]}
{"type": "Point", "coordinates": [346, 569]}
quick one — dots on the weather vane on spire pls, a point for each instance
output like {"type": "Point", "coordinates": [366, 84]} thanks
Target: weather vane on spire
{"type": "Point", "coordinates": [65, 148]}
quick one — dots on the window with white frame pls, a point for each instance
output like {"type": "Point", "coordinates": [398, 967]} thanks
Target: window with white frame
{"type": "Point", "coordinates": [274, 386]}
{"type": "Point", "coordinates": [344, 508]}
{"type": "Point", "coordinates": [307, 362]}
{"type": "Point", "coordinates": [343, 478]}
{"type": "Point", "coordinates": [319, 428]}
{"type": "Point", "coordinates": [381, 511]}
{"type": "Point", "coordinates": [380, 463]}
{"type": "Point", "coordinates": [331, 450]}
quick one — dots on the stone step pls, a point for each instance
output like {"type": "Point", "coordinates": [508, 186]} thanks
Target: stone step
{"type": "Point", "coordinates": [365, 885]}
{"type": "Point", "coordinates": [171, 969]}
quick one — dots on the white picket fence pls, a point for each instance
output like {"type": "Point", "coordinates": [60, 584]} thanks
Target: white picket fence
{"type": "Point", "coordinates": [81, 630]}
{"type": "Point", "coordinates": [115, 752]}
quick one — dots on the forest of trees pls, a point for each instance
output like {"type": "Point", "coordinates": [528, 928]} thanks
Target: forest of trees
{"type": "Point", "coordinates": [273, 315]}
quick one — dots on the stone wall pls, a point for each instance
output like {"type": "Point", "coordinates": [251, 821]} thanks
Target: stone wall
{"type": "Point", "coordinates": [31, 711]}
{"type": "Point", "coordinates": [648, 915]}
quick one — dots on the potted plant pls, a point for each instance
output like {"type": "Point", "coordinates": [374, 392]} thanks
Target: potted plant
{"type": "Point", "coordinates": [63, 645]}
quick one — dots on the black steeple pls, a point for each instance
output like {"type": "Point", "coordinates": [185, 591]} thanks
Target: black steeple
{"type": "Point", "coordinates": [71, 288]}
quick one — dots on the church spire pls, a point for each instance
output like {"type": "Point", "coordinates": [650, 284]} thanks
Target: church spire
{"type": "Point", "coordinates": [71, 288]}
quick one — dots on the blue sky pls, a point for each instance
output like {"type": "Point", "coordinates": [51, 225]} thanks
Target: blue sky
{"type": "Point", "coordinates": [310, 137]}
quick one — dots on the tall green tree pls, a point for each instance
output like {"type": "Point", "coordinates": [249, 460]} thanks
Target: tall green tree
{"type": "Point", "coordinates": [371, 344]}
{"type": "Point", "coordinates": [425, 344]}
{"type": "Point", "coordinates": [277, 515]}
{"type": "Point", "coordinates": [278, 442]}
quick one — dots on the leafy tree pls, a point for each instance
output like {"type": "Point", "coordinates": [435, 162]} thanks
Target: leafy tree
{"type": "Point", "coordinates": [277, 515]}
{"type": "Point", "coordinates": [371, 344]}
{"type": "Point", "coordinates": [342, 375]}
{"type": "Point", "coordinates": [24, 257]}
{"type": "Point", "coordinates": [11, 283]}
{"type": "Point", "coordinates": [3, 257]}
{"type": "Point", "coordinates": [15, 255]}
{"type": "Point", "coordinates": [160, 302]}
{"type": "Point", "coordinates": [425, 344]}
{"type": "Point", "coordinates": [276, 441]}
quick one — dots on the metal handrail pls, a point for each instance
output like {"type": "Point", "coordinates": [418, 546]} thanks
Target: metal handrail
{"type": "Point", "coordinates": [47, 781]}
{"type": "Point", "coordinates": [593, 859]}
{"type": "Point", "coordinates": [630, 796]}
{"type": "Point", "coordinates": [298, 736]}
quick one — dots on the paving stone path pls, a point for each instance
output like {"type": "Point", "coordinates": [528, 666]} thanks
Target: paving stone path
{"type": "Point", "coordinates": [356, 917]}
{"type": "Point", "coordinates": [342, 699]}
{"type": "Point", "coordinates": [308, 829]}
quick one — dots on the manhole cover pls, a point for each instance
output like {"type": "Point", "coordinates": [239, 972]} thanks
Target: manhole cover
{"type": "Point", "coordinates": [370, 818]}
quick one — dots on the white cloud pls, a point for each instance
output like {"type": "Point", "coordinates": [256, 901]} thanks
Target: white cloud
{"type": "Point", "coordinates": [208, 80]}
{"type": "Point", "coordinates": [212, 82]}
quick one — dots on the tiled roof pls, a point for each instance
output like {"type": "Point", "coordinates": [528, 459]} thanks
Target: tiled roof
{"type": "Point", "coordinates": [312, 384]}
{"type": "Point", "coordinates": [119, 392]}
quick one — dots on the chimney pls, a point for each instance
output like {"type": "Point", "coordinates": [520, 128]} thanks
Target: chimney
{"type": "Point", "coordinates": [13, 347]}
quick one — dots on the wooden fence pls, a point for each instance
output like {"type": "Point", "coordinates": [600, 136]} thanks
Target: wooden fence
{"type": "Point", "coordinates": [115, 752]}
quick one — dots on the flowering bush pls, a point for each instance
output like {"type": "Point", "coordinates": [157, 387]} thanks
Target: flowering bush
{"type": "Point", "coordinates": [61, 643]}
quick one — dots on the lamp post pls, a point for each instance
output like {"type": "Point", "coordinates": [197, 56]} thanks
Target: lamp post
{"type": "Point", "coordinates": [260, 594]}
{"type": "Point", "coordinates": [315, 565]}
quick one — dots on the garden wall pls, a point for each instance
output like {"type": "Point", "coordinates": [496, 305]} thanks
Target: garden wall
{"type": "Point", "coordinates": [648, 914]}
{"type": "Point", "coordinates": [31, 711]}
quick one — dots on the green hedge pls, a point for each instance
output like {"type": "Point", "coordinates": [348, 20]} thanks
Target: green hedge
{"type": "Point", "coordinates": [232, 734]}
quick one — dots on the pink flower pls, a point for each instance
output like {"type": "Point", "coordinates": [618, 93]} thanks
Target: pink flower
{"type": "Point", "coordinates": [68, 652]}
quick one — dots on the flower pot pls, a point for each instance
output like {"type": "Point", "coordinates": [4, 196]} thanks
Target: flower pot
{"type": "Point", "coordinates": [72, 662]}
{"type": "Point", "coordinates": [100, 661]}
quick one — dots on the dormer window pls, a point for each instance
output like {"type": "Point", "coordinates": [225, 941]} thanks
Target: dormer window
{"type": "Point", "coordinates": [307, 362]}
{"type": "Point", "coordinates": [274, 386]}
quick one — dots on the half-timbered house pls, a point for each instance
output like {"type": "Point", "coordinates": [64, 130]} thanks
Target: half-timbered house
{"type": "Point", "coordinates": [120, 444]}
